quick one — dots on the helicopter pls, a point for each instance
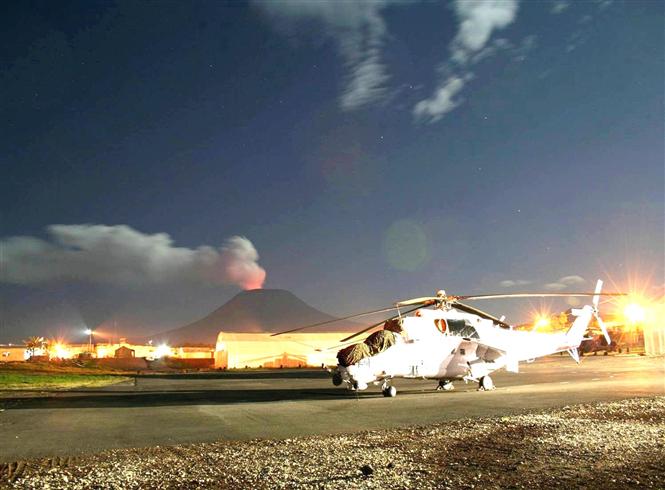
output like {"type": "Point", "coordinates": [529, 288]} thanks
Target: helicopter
{"type": "Point", "coordinates": [447, 340]}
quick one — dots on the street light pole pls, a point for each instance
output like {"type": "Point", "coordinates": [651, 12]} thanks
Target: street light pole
{"type": "Point", "coordinates": [89, 332]}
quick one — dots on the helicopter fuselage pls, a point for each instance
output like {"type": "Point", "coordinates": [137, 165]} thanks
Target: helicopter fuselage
{"type": "Point", "coordinates": [450, 345]}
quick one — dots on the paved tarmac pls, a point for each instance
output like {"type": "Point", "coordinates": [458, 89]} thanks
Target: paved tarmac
{"type": "Point", "coordinates": [173, 409]}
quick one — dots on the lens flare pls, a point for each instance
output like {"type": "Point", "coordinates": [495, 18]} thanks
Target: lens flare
{"type": "Point", "coordinates": [162, 351]}
{"type": "Point", "coordinates": [634, 313]}
{"type": "Point", "coordinates": [542, 321]}
{"type": "Point", "coordinates": [60, 351]}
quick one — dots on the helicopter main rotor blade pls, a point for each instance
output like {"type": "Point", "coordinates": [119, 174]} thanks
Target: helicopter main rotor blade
{"type": "Point", "coordinates": [345, 339]}
{"type": "Point", "coordinates": [530, 295]}
{"type": "Point", "coordinates": [480, 313]}
{"type": "Point", "coordinates": [357, 315]}
{"type": "Point", "coordinates": [377, 325]}
{"type": "Point", "coordinates": [425, 300]}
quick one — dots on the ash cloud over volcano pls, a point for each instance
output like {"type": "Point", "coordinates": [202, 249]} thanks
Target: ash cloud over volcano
{"type": "Point", "coordinates": [122, 256]}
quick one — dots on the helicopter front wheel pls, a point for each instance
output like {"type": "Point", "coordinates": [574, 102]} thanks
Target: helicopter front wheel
{"type": "Point", "coordinates": [486, 384]}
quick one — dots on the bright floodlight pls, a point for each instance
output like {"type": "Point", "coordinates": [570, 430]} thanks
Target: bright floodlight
{"type": "Point", "coordinates": [88, 331]}
{"type": "Point", "coordinates": [634, 313]}
{"type": "Point", "coordinates": [162, 351]}
{"type": "Point", "coordinates": [60, 351]}
{"type": "Point", "coordinates": [541, 322]}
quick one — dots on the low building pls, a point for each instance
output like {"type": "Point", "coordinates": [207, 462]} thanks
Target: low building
{"type": "Point", "coordinates": [203, 352]}
{"type": "Point", "coordinates": [13, 353]}
{"type": "Point", "coordinates": [150, 351]}
{"type": "Point", "coordinates": [124, 352]}
{"type": "Point", "coordinates": [140, 350]}
{"type": "Point", "coordinates": [61, 350]}
{"type": "Point", "coordinates": [255, 350]}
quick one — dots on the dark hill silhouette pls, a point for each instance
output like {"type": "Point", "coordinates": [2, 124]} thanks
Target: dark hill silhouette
{"type": "Point", "coordinates": [257, 310]}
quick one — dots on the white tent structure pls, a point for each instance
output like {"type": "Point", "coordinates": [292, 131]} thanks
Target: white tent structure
{"type": "Point", "coordinates": [654, 340]}
{"type": "Point", "coordinates": [654, 331]}
{"type": "Point", "coordinates": [254, 350]}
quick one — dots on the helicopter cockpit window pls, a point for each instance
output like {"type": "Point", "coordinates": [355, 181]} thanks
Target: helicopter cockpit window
{"type": "Point", "coordinates": [462, 328]}
{"type": "Point", "coordinates": [440, 324]}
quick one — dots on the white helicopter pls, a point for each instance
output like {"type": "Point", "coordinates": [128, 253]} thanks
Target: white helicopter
{"type": "Point", "coordinates": [454, 341]}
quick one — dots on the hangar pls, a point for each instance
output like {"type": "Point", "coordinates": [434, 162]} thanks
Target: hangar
{"type": "Point", "coordinates": [255, 350]}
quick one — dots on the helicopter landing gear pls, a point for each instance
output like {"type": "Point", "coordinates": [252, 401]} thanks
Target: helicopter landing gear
{"type": "Point", "coordinates": [485, 384]}
{"type": "Point", "coordinates": [445, 385]}
{"type": "Point", "coordinates": [388, 390]}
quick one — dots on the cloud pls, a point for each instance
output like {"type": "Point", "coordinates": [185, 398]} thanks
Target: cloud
{"type": "Point", "coordinates": [477, 22]}
{"type": "Point", "coordinates": [559, 6]}
{"type": "Point", "coordinates": [603, 4]}
{"type": "Point", "coordinates": [509, 283]}
{"type": "Point", "coordinates": [442, 102]}
{"type": "Point", "coordinates": [564, 282]}
{"type": "Point", "coordinates": [120, 255]}
{"type": "Point", "coordinates": [358, 30]}
{"type": "Point", "coordinates": [568, 280]}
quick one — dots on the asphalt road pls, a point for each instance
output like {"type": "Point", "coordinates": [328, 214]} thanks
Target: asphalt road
{"type": "Point", "coordinates": [173, 409]}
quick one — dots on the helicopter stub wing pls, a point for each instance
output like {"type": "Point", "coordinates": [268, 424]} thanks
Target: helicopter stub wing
{"type": "Point", "coordinates": [488, 359]}
{"type": "Point", "coordinates": [487, 352]}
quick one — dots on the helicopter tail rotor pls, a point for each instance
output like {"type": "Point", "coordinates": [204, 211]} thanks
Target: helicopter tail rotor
{"type": "Point", "coordinates": [596, 314]}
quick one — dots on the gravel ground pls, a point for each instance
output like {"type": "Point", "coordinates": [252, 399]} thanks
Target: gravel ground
{"type": "Point", "coordinates": [605, 445]}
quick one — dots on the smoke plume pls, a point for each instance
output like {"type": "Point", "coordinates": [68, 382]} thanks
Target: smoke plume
{"type": "Point", "coordinates": [239, 259]}
{"type": "Point", "coordinates": [119, 255]}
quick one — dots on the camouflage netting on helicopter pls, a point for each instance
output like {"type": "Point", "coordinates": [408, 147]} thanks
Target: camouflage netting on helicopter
{"type": "Point", "coordinates": [393, 325]}
{"type": "Point", "coordinates": [374, 344]}
{"type": "Point", "coordinates": [352, 354]}
{"type": "Point", "coordinates": [380, 341]}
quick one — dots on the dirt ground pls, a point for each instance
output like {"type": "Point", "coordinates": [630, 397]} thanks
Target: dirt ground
{"type": "Point", "coordinates": [604, 445]}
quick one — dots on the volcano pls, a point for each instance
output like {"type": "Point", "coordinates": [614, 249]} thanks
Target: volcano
{"type": "Point", "coordinates": [253, 311]}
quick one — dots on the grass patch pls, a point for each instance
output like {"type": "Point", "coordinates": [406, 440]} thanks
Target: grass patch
{"type": "Point", "coordinates": [27, 381]}
{"type": "Point", "coordinates": [69, 366]}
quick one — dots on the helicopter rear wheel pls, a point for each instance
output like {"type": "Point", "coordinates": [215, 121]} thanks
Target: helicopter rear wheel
{"type": "Point", "coordinates": [445, 386]}
{"type": "Point", "coordinates": [486, 384]}
{"type": "Point", "coordinates": [389, 392]}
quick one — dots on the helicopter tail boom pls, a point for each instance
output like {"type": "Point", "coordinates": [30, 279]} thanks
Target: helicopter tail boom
{"type": "Point", "coordinates": [575, 334]}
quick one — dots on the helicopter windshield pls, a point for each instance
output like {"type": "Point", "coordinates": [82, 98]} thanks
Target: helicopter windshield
{"type": "Point", "coordinates": [462, 328]}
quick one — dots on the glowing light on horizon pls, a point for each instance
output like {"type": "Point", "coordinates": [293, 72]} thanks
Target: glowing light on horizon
{"type": "Point", "coordinates": [634, 313]}
{"type": "Point", "coordinates": [60, 351]}
{"type": "Point", "coordinates": [542, 321]}
{"type": "Point", "coordinates": [162, 351]}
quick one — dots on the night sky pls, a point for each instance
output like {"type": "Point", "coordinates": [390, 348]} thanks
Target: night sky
{"type": "Point", "coordinates": [158, 157]}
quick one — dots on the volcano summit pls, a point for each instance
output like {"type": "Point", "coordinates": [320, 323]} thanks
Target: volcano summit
{"type": "Point", "coordinates": [253, 311]}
